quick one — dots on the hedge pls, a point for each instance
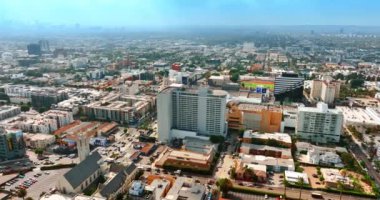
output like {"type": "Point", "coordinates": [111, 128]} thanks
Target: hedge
{"type": "Point", "coordinates": [349, 192]}
{"type": "Point", "coordinates": [59, 166]}
{"type": "Point", "coordinates": [237, 188]}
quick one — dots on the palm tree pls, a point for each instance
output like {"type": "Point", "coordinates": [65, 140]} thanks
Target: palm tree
{"type": "Point", "coordinates": [300, 182]}
{"type": "Point", "coordinates": [224, 185]}
{"type": "Point", "coordinates": [340, 187]}
{"type": "Point", "coordinates": [21, 193]}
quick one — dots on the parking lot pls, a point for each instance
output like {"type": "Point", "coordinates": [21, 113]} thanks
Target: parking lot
{"type": "Point", "coordinates": [36, 182]}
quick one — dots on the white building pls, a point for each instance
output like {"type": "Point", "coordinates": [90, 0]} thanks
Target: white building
{"type": "Point", "coordinates": [200, 111]}
{"type": "Point", "coordinates": [62, 117]}
{"type": "Point", "coordinates": [316, 157]}
{"type": "Point", "coordinates": [320, 124]}
{"type": "Point", "coordinates": [9, 111]}
{"type": "Point", "coordinates": [294, 177]}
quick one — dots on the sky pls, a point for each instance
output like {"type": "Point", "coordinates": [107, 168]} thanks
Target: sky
{"type": "Point", "coordinates": [156, 13]}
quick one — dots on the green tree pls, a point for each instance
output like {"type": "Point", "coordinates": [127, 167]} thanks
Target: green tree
{"type": "Point", "coordinates": [356, 83]}
{"type": "Point", "coordinates": [25, 108]}
{"type": "Point", "coordinates": [109, 89]}
{"type": "Point", "coordinates": [224, 185]}
{"type": "Point", "coordinates": [21, 193]}
{"type": "Point", "coordinates": [39, 151]}
{"type": "Point", "coordinates": [216, 139]}
{"type": "Point", "coordinates": [235, 77]}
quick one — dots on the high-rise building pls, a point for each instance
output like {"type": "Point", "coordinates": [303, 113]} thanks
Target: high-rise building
{"type": "Point", "coordinates": [12, 145]}
{"type": "Point", "coordinates": [34, 49]}
{"type": "Point", "coordinates": [288, 85]}
{"type": "Point", "coordinates": [44, 44]}
{"type": "Point", "coordinates": [189, 112]}
{"type": "Point", "coordinates": [325, 90]}
{"type": "Point", "coordinates": [320, 124]}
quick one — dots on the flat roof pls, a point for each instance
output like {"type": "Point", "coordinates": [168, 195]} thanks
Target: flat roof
{"type": "Point", "coordinates": [283, 137]}
{"type": "Point", "coordinates": [357, 115]}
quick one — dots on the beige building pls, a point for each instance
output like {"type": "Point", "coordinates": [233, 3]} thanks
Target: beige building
{"type": "Point", "coordinates": [38, 140]}
{"type": "Point", "coordinates": [325, 90]}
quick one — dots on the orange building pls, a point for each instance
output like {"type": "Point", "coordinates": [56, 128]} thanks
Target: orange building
{"type": "Point", "coordinates": [255, 117]}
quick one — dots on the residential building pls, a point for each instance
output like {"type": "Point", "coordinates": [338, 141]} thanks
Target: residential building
{"type": "Point", "coordinates": [320, 124]}
{"type": "Point", "coordinates": [9, 111]}
{"type": "Point", "coordinates": [38, 140]}
{"type": "Point", "coordinates": [316, 157]}
{"type": "Point", "coordinates": [12, 144]}
{"type": "Point", "coordinates": [46, 98]}
{"type": "Point", "coordinates": [325, 90]}
{"type": "Point", "coordinates": [125, 109]}
{"type": "Point", "coordinates": [62, 117]}
{"type": "Point", "coordinates": [254, 117]}
{"type": "Point", "coordinates": [201, 112]}
{"type": "Point", "coordinates": [82, 175]}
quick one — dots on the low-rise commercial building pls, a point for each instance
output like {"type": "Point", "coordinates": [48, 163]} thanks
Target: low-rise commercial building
{"type": "Point", "coordinates": [255, 117]}
{"type": "Point", "coordinates": [265, 150]}
{"type": "Point", "coordinates": [251, 136]}
{"type": "Point", "coordinates": [186, 160]}
{"type": "Point", "coordinates": [184, 188]}
{"type": "Point", "coordinates": [294, 177]}
{"type": "Point", "coordinates": [273, 164]}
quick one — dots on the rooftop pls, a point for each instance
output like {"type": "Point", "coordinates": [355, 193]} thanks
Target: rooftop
{"type": "Point", "coordinates": [283, 137]}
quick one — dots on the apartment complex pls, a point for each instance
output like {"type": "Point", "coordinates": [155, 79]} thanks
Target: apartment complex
{"type": "Point", "coordinates": [194, 112]}
{"type": "Point", "coordinates": [12, 144]}
{"type": "Point", "coordinates": [125, 109]}
{"type": "Point", "coordinates": [325, 90]}
{"type": "Point", "coordinates": [255, 117]}
{"type": "Point", "coordinates": [320, 124]}
{"type": "Point", "coordinates": [9, 111]}
{"type": "Point", "coordinates": [34, 122]}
